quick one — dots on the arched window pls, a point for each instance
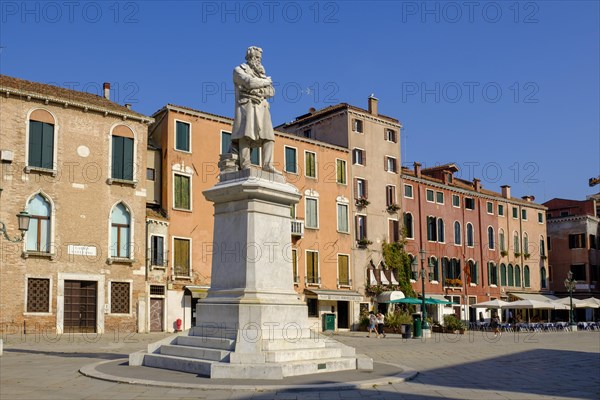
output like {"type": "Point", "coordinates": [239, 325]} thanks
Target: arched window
{"type": "Point", "coordinates": [502, 274]}
{"type": "Point", "coordinates": [38, 235]}
{"type": "Point", "coordinates": [432, 229]}
{"type": "Point", "coordinates": [526, 276]}
{"type": "Point", "coordinates": [525, 243]}
{"type": "Point", "coordinates": [445, 268]}
{"type": "Point", "coordinates": [440, 226]}
{"type": "Point", "coordinates": [511, 275]}
{"type": "Point", "coordinates": [501, 240]}
{"type": "Point", "coordinates": [41, 141]}
{"type": "Point", "coordinates": [517, 242]}
{"type": "Point", "coordinates": [543, 278]}
{"type": "Point", "coordinates": [492, 273]}
{"type": "Point", "coordinates": [408, 225]}
{"type": "Point", "coordinates": [457, 233]}
{"type": "Point", "coordinates": [473, 276]}
{"type": "Point", "coordinates": [120, 232]}
{"type": "Point", "coordinates": [491, 238]}
{"type": "Point", "coordinates": [454, 269]}
{"type": "Point", "coordinates": [470, 237]}
{"type": "Point", "coordinates": [122, 153]}
{"type": "Point", "coordinates": [517, 276]}
{"type": "Point", "coordinates": [434, 269]}
{"type": "Point", "coordinates": [542, 247]}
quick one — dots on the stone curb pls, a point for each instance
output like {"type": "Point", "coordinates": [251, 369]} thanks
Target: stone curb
{"type": "Point", "coordinates": [406, 375]}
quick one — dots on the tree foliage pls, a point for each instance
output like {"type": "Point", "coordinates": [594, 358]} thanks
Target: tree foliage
{"type": "Point", "coordinates": [397, 258]}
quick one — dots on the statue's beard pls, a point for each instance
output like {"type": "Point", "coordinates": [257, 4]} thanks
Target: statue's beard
{"type": "Point", "coordinates": [257, 67]}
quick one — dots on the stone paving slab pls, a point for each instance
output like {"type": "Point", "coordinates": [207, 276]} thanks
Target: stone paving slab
{"type": "Point", "coordinates": [471, 366]}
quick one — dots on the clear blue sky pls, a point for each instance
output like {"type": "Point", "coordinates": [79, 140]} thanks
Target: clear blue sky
{"type": "Point", "coordinates": [509, 91]}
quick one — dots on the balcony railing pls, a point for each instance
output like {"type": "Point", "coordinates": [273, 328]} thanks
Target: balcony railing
{"type": "Point", "coordinates": [297, 228]}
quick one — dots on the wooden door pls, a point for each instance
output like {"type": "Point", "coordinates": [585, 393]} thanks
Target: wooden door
{"type": "Point", "coordinates": [80, 306]}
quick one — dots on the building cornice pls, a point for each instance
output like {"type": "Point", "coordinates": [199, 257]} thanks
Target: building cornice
{"type": "Point", "coordinates": [7, 92]}
{"type": "Point", "coordinates": [573, 218]}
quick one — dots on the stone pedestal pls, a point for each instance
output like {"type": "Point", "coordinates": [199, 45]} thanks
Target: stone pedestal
{"type": "Point", "coordinates": [252, 324]}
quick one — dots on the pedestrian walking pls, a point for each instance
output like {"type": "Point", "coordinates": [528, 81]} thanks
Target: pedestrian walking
{"type": "Point", "coordinates": [380, 323]}
{"type": "Point", "coordinates": [372, 324]}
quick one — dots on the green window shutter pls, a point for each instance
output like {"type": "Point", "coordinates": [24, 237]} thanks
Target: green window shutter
{"type": "Point", "coordinates": [127, 159]}
{"type": "Point", "coordinates": [35, 143]}
{"type": "Point", "coordinates": [290, 160]}
{"type": "Point", "coordinates": [489, 273]}
{"type": "Point", "coordinates": [225, 142]}
{"type": "Point", "coordinates": [47, 146]}
{"type": "Point", "coordinates": [343, 270]}
{"type": "Point", "coordinates": [182, 192]}
{"type": "Point", "coordinates": [182, 136]}
{"type": "Point", "coordinates": [117, 157]}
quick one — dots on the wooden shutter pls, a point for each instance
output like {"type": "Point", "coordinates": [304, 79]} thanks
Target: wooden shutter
{"type": "Point", "coordinates": [35, 143]}
{"type": "Point", "coordinates": [356, 227]}
{"type": "Point", "coordinates": [117, 157]}
{"type": "Point", "coordinates": [343, 270]}
{"type": "Point", "coordinates": [366, 189]}
{"type": "Point", "coordinates": [127, 159]}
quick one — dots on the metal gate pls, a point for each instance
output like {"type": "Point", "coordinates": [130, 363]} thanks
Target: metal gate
{"type": "Point", "coordinates": [80, 306]}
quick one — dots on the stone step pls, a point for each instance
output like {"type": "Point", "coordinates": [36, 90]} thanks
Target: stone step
{"type": "Point", "coordinates": [289, 355]}
{"type": "Point", "coordinates": [293, 344]}
{"type": "Point", "coordinates": [295, 368]}
{"type": "Point", "coordinates": [210, 331]}
{"type": "Point", "coordinates": [206, 342]}
{"type": "Point", "coordinates": [194, 352]}
{"type": "Point", "coordinates": [183, 364]}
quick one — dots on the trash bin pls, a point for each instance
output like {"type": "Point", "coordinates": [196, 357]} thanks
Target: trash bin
{"type": "Point", "coordinates": [405, 330]}
{"type": "Point", "coordinates": [418, 329]}
{"type": "Point", "coordinates": [328, 322]}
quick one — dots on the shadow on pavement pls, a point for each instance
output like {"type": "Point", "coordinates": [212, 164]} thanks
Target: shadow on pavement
{"type": "Point", "coordinates": [101, 356]}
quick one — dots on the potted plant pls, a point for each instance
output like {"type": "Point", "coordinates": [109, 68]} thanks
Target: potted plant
{"type": "Point", "coordinates": [362, 202]}
{"type": "Point", "coordinates": [393, 208]}
{"type": "Point", "coordinates": [517, 254]}
{"type": "Point", "coordinates": [453, 324]}
{"type": "Point", "coordinates": [526, 256]}
{"type": "Point", "coordinates": [453, 282]}
{"type": "Point", "coordinates": [364, 242]}
{"type": "Point", "coordinates": [504, 253]}
{"type": "Point", "coordinates": [543, 257]}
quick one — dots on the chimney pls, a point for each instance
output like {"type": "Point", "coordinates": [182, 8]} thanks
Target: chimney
{"type": "Point", "coordinates": [417, 169]}
{"type": "Point", "coordinates": [373, 105]}
{"type": "Point", "coordinates": [312, 110]}
{"type": "Point", "coordinates": [528, 198]}
{"type": "Point", "coordinates": [128, 106]}
{"type": "Point", "coordinates": [107, 90]}
{"type": "Point", "coordinates": [505, 191]}
{"type": "Point", "coordinates": [477, 184]}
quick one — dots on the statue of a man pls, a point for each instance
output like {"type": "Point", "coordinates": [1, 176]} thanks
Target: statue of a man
{"type": "Point", "coordinates": [252, 126]}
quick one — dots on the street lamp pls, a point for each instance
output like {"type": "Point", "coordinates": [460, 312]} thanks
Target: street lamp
{"type": "Point", "coordinates": [415, 265]}
{"type": "Point", "coordinates": [570, 284]}
{"type": "Point", "coordinates": [23, 218]}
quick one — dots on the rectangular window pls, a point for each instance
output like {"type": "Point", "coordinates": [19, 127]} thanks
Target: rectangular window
{"type": "Point", "coordinates": [408, 191]}
{"type": "Point", "coordinates": [312, 267]}
{"type": "Point", "coordinates": [429, 195]}
{"type": "Point", "coordinates": [357, 125]}
{"type": "Point", "coordinates": [592, 241]}
{"type": "Point", "coordinates": [307, 133]}
{"type": "Point", "coordinates": [182, 136]}
{"type": "Point", "coordinates": [524, 214]}
{"type": "Point", "coordinates": [439, 197]}
{"type": "Point", "coordinates": [291, 163]}
{"type": "Point", "coordinates": [119, 298]}
{"type": "Point", "coordinates": [390, 195]}
{"type": "Point", "coordinates": [501, 210]}
{"type": "Point", "coordinates": [361, 227]}
{"type": "Point", "coordinates": [38, 295]}
{"type": "Point", "coordinates": [295, 265]}
{"type": "Point", "coordinates": [390, 164]}
{"type": "Point", "coordinates": [549, 243]}
{"type": "Point", "coordinates": [594, 273]}
{"type": "Point", "coordinates": [455, 200]}
{"type": "Point", "coordinates": [577, 241]}
{"type": "Point", "coordinates": [469, 203]}
{"type": "Point", "coordinates": [343, 270]}
{"type": "Point", "coordinates": [360, 188]}
{"type": "Point", "coordinates": [340, 171]}
{"type": "Point", "coordinates": [358, 157]}
{"type": "Point", "coordinates": [515, 212]}
{"type": "Point", "coordinates": [578, 271]}
{"type": "Point", "coordinates": [310, 164]}
{"type": "Point", "coordinates": [540, 217]}
{"type": "Point", "coordinates": [225, 142]}
{"type": "Point", "coordinates": [393, 231]}
{"type": "Point", "coordinates": [122, 158]}
{"type": "Point", "coordinates": [150, 174]}
{"type": "Point", "coordinates": [342, 218]}
{"type": "Point", "coordinates": [157, 290]}
{"type": "Point", "coordinates": [490, 207]}
{"type": "Point", "coordinates": [312, 213]}
{"type": "Point", "coordinates": [390, 135]}
{"type": "Point", "coordinates": [157, 256]}
{"type": "Point", "coordinates": [41, 145]}
{"type": "Point", "coordinates": [181, 257]}
{"type": "Point", "coordinates": [181, 187]}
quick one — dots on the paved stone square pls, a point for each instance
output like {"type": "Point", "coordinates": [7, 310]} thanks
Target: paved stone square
{"type": "Point", "coordinates": [471, 366]}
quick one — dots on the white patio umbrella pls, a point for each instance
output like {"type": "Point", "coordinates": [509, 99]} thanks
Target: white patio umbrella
{"type": "Point", "coordinates": [577, 303]}
{"type": "Point", "coordinates": [535, 304]}
{"type": "Point", "coordinates": [592, 300]}
{"type": "Point", "coordinates": [387, 297]}
{"type": "Point", "coordinates": [490, 304]}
